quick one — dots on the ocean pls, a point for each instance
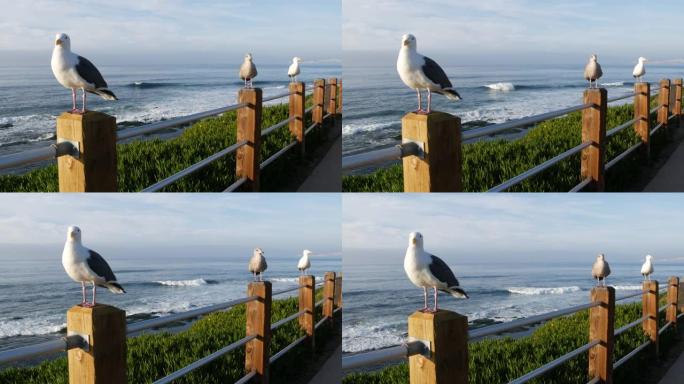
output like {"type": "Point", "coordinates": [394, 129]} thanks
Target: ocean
{"type": "Point", "coordinates": [31, 98]}
{"type": "Point", "coordinates": [35, 292]}
{"type": "Point", "coordinates": [375, 99]}
{"type": "Point", "coordinates": [378, 298]}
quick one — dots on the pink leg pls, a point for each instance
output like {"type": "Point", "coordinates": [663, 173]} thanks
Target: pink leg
{"type": "Point", "coordinates": [429, 106]}
{"type": "Point", "coordinates": [94, 293]}
{"type": "Point", "coordinates": [83, 292]}
{"type": "Point", "coordinates": [436, 308]}
{"type": "Point", "coordinates": [84, 101]}
{"type": "Point", "coordinates": [425, 307]}
{"type": "Point", "coordinates": [73, 104]}
{"type": "Point", "coordinates": [420, 102]}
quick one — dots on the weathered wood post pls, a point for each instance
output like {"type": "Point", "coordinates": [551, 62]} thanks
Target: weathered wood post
{"type": "Point", "coordinates": [249, 129]}
{"type": "Point", "coordinates": [318, 102]}
{"type": "Point", "coordinates": [332, 110]}
{"type": "Point", "coordinates": [329, 295]}
{"type": "Point", "coordinates": [642, 118]}
{"type": "Point", "coordinates": [338, 292]}
{"type": "Point", "coordinates": [601, 328]}
{"type": "Point", "coordinates": [297, 102]}
{"type": "Point", "coordinates": [649, 302]}
{"type": "Point", "coordinates": [677, 107]}
{"type": "Point", "coordinates": [672, 299]}
{"type": "Point", "coordinates": [680, 298]}
{"type": "Point", "coordinates": [439, 170]}
{"type": "Point", "coordinates": [594, 131]}
{"type": "Point", "coordinates": [664, 101]}
{"type": "Point", "coordinates": [258, 315]}
{"type": "Point", "coordinates": [339, 97]}
{"type": "Point", "coordinates": [447, 334]}
{"type": "Point", "coordinates": [307, 302]}
{"type": "Point", "coordinates": [94, 169]}
{"type": "Point", "coordinates": [105, 360]}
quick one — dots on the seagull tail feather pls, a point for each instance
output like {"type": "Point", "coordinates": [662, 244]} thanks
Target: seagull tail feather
{"type": "Point", "coordinates": [106, 94]}
{"type": "Point", "coordinates": [458, 293]}
{"type": "Point", "coordinates": [451, 94]}
{"type": "Point", "coordinates": [114, 287]}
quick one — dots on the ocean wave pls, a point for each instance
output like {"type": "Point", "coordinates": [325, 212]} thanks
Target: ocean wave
{"type": "Point", "coordinates": [614, 84]}
{"type": "Point", "coordinates": [149, 85]}
{"type": "Point", "coordinates": [30, 326]}
{"type": "Point", "coordinates": [504, 87]}
{"type": "Point", "coordinates": [186, 283]}
{"type": "Point", "coordinates": [356, 128]}
{"type": "Point", "coordinates": [43, 137]}
{"type": "Point", "coordinates": [543, 291]}
{"type": "Point", "coordinates": [628, 287]}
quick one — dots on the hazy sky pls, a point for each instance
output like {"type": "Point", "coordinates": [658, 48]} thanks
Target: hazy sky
{"type": "Point", "coordinates": [216, 223]}
{"type": "Point", "coordinates": [503, 31]}
{"type": "Point", "coordinates": [161, 31]}
{"type": "Point", "coordinates": [515, 227]}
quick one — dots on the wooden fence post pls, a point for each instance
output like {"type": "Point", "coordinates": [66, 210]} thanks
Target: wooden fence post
{"type": "Point", "coordinates": [307, 302]}
{"type": "Point", "coordinates": [672, 299]}
{"type": "Point", "coordinates": [95, 167]}
{"type": "Point", "coordinates": [440, 135]}
{"type": "Point", "coordinates": [338, 292]}
{"type": "Point", "coordinates": [329, 295]}
{"type": "Point", "coordinates": [680, 298]}
{"type": "Point", "coordinates": [339, 97]}
{"type": "Point", "coordinates": [601, 328]}
{"type": "Point", "coordinates": [594, 131]}
{"type": "Point", "coordinates": [249, 129]}
{"type": "Point", "coordinates": [318, 102]}
{"type": "Point", "coordinates": [677, 107]}
{"type": "Point", "coordinates": [258, 315]}
{"type": "Point", "coordinates": [447, 334]}
{"type": "Point", "coordinates": [332, 99]}
{"type": "Point", "coordinates": [297, 102]}
{"type": "Point", "coordinates": [105, 360]}
{"type": "Point", "coordinates": [642, 118]}
{"type": "Point", "coordinates": [649, 303]}
{"type": "Point", "coordinates": [664, 101]}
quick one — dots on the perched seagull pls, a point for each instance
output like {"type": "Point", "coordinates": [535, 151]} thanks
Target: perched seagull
{"type": "Point", "coordinates": [293, 71]}
{"type": "Point", "coordinates": [593, 72]}
{"type": "Point", "coordinates": [77, 72]}
{"type": "Point", "coordinates": [257, 264]}
{"type": "Point", "coordinates": [639, 69]}
{"type": "Point", "coordinates": [304, 262]}
{"type": "Point", "coordinates": [85, 265]}
{"type": "Point", "coordinates": [600, 270]}
{"type": "Point", "coordinates": [429, 271]}
{"type": "Point", "coordinates": [647, 268]}
{"type": "Point", "coordinates": [420, 72]}
{"type": "Point", "coordinates": [248, 70]}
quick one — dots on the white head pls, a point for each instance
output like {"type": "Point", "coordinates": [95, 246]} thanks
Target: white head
{"type": "Point", "coordinates": [409, 41]}
{"type": "Point", "coordinates": [649, 257]}
{"type": "Point", "coordinates": [593, 57]}
{"type": "Point", "coordinates": [62, 40]}
{"type": "Point", "coordinates": [258, 251]}
{"type": "Point", "coordinates": [643, 59]}
{"type": "Point", "coordinates": [415, 240]}
{"type": "Point", "coordinates": [600, 256]}
{"type": "Point", "coordinates": [296, 60]}
{"type": "Point", "coordinates": [74, 234]}
{"type": "Point", "coordinates": [248, 57]}
{"type": "Point", "coordinates": [306, 253]}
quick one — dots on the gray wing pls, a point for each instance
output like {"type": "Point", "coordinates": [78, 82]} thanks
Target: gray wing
{"type": "Point", "coordinates": [435, 73]}
{"type": "Point", "coordinates": [442, 272]}
{"type": "Point", "coordinates": [98, 264]}
{"type": "Point", "coordinates": [89, 73]}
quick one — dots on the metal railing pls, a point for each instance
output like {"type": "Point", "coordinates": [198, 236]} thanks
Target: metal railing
{"type": "Point", "coordinates": [381, 356]}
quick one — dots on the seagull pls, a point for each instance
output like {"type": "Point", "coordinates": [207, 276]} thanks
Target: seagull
{"type": "Point", "coordinates": [77, 72]}
{"type": "Point", "coordinates": [420, 72]}
{"type": "Point", "coordinates": [293, 71]}
{"type": "Point", "coordinates": [304, 262]}
{"type": "Point", "coordinates": [257, 264]}
{"type": "Point", "coordinates": [647, 268]}
{"type": "Point", "coordinates": [248, 70]}
{"type": "Point", "coordinates": [85, 265]}
{"type": "Point", "coordinates": [639, 69]}
{"type": "Point", "coordinates": [600, 270]}
{"type": "Point", "coordinates": [593, 72]}
{"type": "Point", "coordinates": [426, 270]}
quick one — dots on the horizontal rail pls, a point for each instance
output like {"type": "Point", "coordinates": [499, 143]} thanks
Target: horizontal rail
{"type": "Point", "coordinates": [620, 128]}
{"type": "Point", "coordinates": [312, 126]}
{"type": "Point", "coordinates": [30, 351]}
{"type": "Point", "coordinates": [246, 378]}
{"type": "Point", "coordinates": [275, 97]}
{"type": "Point", "coordinates": [595, 380]}
{"type": "Point", "coordinates": [656, 128]}
{"type": "Point", "coordinates": [366, 159]}
{"type": "Point", "coordinates": [320, 322]}
{"type": "Point", "coordinates": [655, 109]}
{"type": "Point", "coordinates": [276, 155]}
{"type": "Point", "coordinates": [379, 356]}
{"type": "Point", "coordinates": [539, 168]}
{"type": "Point", "coordinates": [273, 127]}
{"type": "Point", "coordinates": [523, 122]}
{"type": "Point", "coordinates": [320, 302]}
{"type": "Point", "coordinates": [205, 360]}
{"type": "Point", "coordinates": [631, 354]}
{"type": "Point", "coordinates": [628, 296]}
{"type": "Point", "coordinates": [664, 328]}
{"type": "Point", "coordinates": [621, 156]}
{"type": "Point", "coordinates": [159, 321]}
{"type": "Point", "coordinates": [555, 363]}
{"type": "Point", "coordinates": [337, 309]}
{"type": "Point", "coordinates": [581, 185]}
{"type": "Point", "coordinates": [293, 316]}
{"type": "Point", "coordinates": [233, 187]}
{"type": "Point", "coordinates": [286, 290]}
{"type": "Point", "coordinates": [664, 307]}
{"type": "Point", "coordinates": [309, 109]}
{"type": "Point", "coordinates": [629, 326]}
{"type": "Point", "coordinates": [627, 96]}
{"type": "Point", "coordinates": [504, 327]}
{"type": "Point", "coordinates": [194, 168]}
{"type": "Point", "coordinates": [285, 350]}
{"type": "Point", "coordinates": [327, 115]}
{"type": "Point", "coordinates": [34, 155]}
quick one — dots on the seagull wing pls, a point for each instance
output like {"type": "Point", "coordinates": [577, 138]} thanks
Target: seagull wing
{"type": "Point", "coordinates": [89, 73]}
{"type": "Point", "coordinates": [98, 264]}
{"type": "Point", "coordinates": [435, 73]}
{"type": "Point", "coordinates": [442, 272]}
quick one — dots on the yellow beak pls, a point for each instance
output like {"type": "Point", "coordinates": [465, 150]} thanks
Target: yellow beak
{"type": "Point", "coordinates": [414, 240]}
{"type": "Point", "coordinates": [58, 42]}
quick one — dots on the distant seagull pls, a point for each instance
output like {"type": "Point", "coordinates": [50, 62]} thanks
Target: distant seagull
{"type": "Point", "coordinates": [77, 72]}
{"type": "Point", "coordinates": [257, 264]}
{"type": "Point", "coordinates": [248, 70]}
{"type": "Point", "coordinates": [593, 72]}
{"type": "Point", "coordinates": [640, 69]}
{"type": "Point", "coordinates": [85, 265]}
{"type": "Point", "coordinates": [429, 271]}
{"type": "Point", "coordinates": [304, 262]}
{"type": "Point", "coordinates": [647, 268]}
{"type": "Point", "coordinates": [420, 72]}
{"type": "Point", "coordinates": [293, 71]}
{"type": "Point", "coordinates": [600, 270]}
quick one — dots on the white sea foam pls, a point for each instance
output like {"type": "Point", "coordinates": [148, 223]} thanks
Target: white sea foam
{"type": "Point", "coordinates": [543, 291]}
{"type": "Point", "coordinates": [504, 87]}
{"type": "Point", "coordinates": [183, 283]}
{"type": "Point", "coordinates": [30, 326]}
{"type": "Point", "coordinates": [627, 287]}
{"type": "Point", "coordinates": [614, 84]}
{"type": "Point", "coordinates": [364, 337]}
{"type": "Point", "coordinates": [349, 129]}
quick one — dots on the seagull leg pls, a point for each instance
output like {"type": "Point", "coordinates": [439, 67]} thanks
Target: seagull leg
{"type": "Point", "coordinates": [83, 292]}
{"type": "Point", "coordinates": [84, 100]}
{"type": "Point", "coordinates": [73, 103]}
{"type": "Point", "coordinates": [94, 293]}
{"type": "Point", "coordinates": [425, 307]}
{"type": "Point", "coordinates": [420, 102]}
{"type": "Point", "coordinates": [429, 106]}
{"type": "Point", "coordinates": [435, 308]}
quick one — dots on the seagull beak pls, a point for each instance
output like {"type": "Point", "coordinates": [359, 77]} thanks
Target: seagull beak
{"type": "Point", "coordinates": [406, 43]}
{"type": "Point", "coordinates": [414, 241]}
{"type": "Point", "coordinates": [58, 42]}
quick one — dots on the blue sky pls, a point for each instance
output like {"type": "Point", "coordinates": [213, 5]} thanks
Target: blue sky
{"type": "Point", "coordinates": [504, 31]}
{"type": "Point", "coordinates": [185, 31]}
{"type": "Point", "coordinates": [515, 227]}
{"type": "Point", "coordinates": [167, 223]}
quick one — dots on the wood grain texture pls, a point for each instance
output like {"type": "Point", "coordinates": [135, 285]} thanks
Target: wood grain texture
{"type": "Point", "coordinates": [318, 101]}
{"type": "Point", "coordinates": [664, 101]}
{"type": "Point", "coordinates": [249, 128]}
{"type": "Point", "coordinates": [328, 294]}
{"type": "Point", "coordinates": [672, 299]}
{"type": "Point", "coordinates": [642, 123]}
{"type": "Point", "coordinates": [649, 302]}
{"type": "Point", "coordinates": [296, 104]}
{"type": "Point", "coordinates": [332, 97]}
{"type": "Point", "coordinates": [594, 131]}
{"type": "Point", "coordinates": [338, 292]}
{"type": "Point", "coordinates": [307, 300]}
{"type": "Point", "coordinates": [258, 316]}
{"type": "Point", "coordinates": [602, 327]}
{"type": "Point", "coordinates": [677, 107]}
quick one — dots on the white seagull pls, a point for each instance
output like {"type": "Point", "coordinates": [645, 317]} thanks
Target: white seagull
{"type": "Point", "coordinates": [85, 265]}
{"type": "Point", "coordinates": [257, 264]}
{"type": "Point", "coordinates": [593, 72]}
{"type": "Point", "coordinates": [600, 270]}
{"type": "Point", "coordinates": [248, 70]}
{"type": "Point", "coordinates": [293, 71]}
{"type": "Point", "coordinates": [647, 268]}
{"type": "Point", "coordinates": [639, 69]}
{"type": "Point", "coordinates": [420, 72]}
{"type": "Point", "coordinates": [77, 72]}
{"type": "Point", "coordinates": [429, 271]}
{"type": "Point", "coordinates": [304, 262]}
